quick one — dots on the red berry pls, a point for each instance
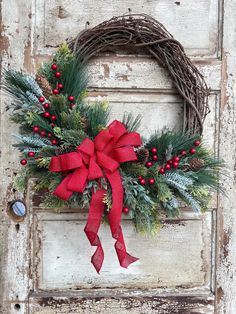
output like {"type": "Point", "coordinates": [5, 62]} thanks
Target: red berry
{"type": "Point", "coordinates": [71, 98]}
{"type": "Point", "coordinates": [125, 210]}
{"type": "Point", "coordinates": [151, 181]}
{"type": "Point", "coordinates": [54, 142]}
{"type": "Point", "coordinates": [46, 105]}
{"type": "Point", "coordinates": [142, 182]}
{"type": "Point", "coordinates": [162, 170]}
{"type": "Point", "coordinates": [176, 159]}
{"type": "Point", "coordinates": [41, 99]}
{"type": "Point", "coordinates": [35, 129]}
{"type": "Point", "coordinates": [154, 150]}
{"type": "Point", "coordinates": [149, 164]}
{"type": "Point", "coordinates": [155, 157]}
{"type": "Point", "coordinates": [23, 162]}
{"type": "Point", "coordinates": [31, 154]}
{"type": "Point", "coordinates": [140, 178]}
{"type": "Point", "coordinates": [53, 117]}
{"type": "Point", "coordinates": [60, 86]}
{"type": "Point", "coordinates": [197, 143]}
{"type": "Point", "coordinates": [52, 125]}
{"type": "Point", "coordinates": [43, 133]}
{"type": "Point", "coordinates": [192, 151]}
{"type": "Point", "coordinates": [54, 66]}
{"type": "Point", "coordinates": [167, 166]}
{"type": "Point", "coordinates": [183, 152]}
{"type": "Point", "coordinates": [175, 164]}
{"type": "Point", "coordinates": [72, 106]}
{"type": "Point", "coordinates": [57, 74]}
{"type": "Point", "coordinates": [49, 134]}
{"type": "Point", "coordinates": [46, 114]}
{"type": "Point", "coordinates": [170, 161]}
{"type": "Point", "coordinates": [55, 91]}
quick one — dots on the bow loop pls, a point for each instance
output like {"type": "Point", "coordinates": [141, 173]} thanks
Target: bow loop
{"type": "Point", "coordinates": [117, 129]}
{"type": "Point", "coordinates": [124, 154]}
{"type": "Point", "coordinates": [65, 162]}
{"type": "Point", "coordinates": [86, 147]}
{"type": "Point", "coordinates": [102, 140]}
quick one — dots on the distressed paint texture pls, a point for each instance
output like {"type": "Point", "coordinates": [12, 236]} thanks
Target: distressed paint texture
{"type": "Point", "coordinates": [32, 274]}
{"type": "Point", "coordinates": [226, 285]}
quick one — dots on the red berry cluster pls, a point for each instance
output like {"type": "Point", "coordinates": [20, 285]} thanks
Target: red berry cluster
{"type": "Point", "coordinates": [57, 74]}
{"type": "Point", "coordinates": [46, 115]}
{"type": "Point", "coordinates": [60, 86]}
{"type": "Point", "coordinates": [43, 133]}
{"type": "Point", "coordinates": [174, 162]}
{"type": "Point", "coordinates": [71, 100]}
{"type": "Point", "coordinates": [24, 161]}
{"type": "Point", "coordinates": [149, 164]}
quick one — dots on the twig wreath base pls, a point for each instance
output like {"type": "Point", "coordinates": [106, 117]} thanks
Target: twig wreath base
{"type": "Point", "coordinates": [132, 31]}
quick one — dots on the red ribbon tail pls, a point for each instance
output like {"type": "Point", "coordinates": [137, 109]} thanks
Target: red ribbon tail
{"type": "Point", "coordinates": [125, 258]}
{"type": "Point", "coordinates": [91, 229]}
{"type": "Point", "coordinates": [114, 216]}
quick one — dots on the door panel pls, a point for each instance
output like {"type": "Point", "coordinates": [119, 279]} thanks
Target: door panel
{"type": "Point", "coordinates": [57, 19]}
{"type": "Point", "coordinates": [47, 261]}
{"type": "Point", "coordinates": [178, 256]}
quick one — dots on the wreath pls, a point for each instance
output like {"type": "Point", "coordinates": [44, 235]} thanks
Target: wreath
{"type": "Point", "coordinates": [86, 162]}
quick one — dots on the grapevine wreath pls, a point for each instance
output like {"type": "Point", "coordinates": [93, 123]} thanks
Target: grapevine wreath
{"type": "Point", "coordinates": [84, 161]}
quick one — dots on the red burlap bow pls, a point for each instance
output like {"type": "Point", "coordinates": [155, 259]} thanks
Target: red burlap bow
{"type": "Point", "coordinates": [94, 160]}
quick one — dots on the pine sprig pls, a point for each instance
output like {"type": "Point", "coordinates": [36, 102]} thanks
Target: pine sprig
{"type": "Point", "coordinates": [97, 116]}
{"type": "Point", "coordinates": [23, 88]}
{"type": "Point", "coordinates": [32, 118]}
{"type": "Point", "coordinates": [134, 169]}
{"type": "Point", "coordinates": [178, 181]}
{"type": "Point", "coordinates": [131, 123]}
{"type": "Point", "coordinates": [32, 141]}
{"type": "Point", "coordinates": [170, 143]}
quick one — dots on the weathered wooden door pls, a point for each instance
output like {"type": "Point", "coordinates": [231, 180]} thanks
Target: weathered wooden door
{"type": "Point", "coordinates": [189, 267]}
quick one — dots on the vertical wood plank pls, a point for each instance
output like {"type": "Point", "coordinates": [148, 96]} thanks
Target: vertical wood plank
{"type": "Point", "coordinates": [226, 285]}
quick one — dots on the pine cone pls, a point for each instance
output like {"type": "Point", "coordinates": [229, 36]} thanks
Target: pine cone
{"type": "Point", "coordinates": [44, 85]}
{"type": "Point", "coordinates": [142, 155]}
{"type": "Point", "coordinates": [85, 124]}
{"type": "Point", "coordinates": [196, 164]}
{"type": "Point", "coordinates": [64, 150]}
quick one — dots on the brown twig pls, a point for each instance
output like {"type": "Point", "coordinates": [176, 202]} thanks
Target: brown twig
{"type": "Point", "coordinates": [140, 30]}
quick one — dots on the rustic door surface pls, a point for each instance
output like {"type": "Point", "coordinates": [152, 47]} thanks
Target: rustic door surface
{"type": "Point", "coordinates": [189, 266]}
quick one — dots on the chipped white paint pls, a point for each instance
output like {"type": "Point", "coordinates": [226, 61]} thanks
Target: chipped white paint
{"type": "Point", "coordinates": [180, 246]}
{"type": "Point", "coordinates": [196, 29]}
{"type": "Point", "coordinates": [227, 217]}
{"type": "Point", "coordinates": [137, 84]}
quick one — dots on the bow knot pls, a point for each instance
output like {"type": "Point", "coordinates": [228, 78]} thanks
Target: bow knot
{"type": "Point", "coordinates": [93, 160]}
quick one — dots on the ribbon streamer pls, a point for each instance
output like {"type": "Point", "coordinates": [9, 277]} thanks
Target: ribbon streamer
{"type": "Point", "coordinates": [93, 160]}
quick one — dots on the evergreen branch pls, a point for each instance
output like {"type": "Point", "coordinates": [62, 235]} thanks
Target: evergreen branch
{"type": "Point", "coordinates": [32, 118]}
{"type": "Point", "coordinates": [33, 141]}
{"type": "Point", "coordinates": [134, 169]}
{"type": "Point", "coordinates": [131, 123]}
{"type": "Point", "coordinates": [169, 143]}
{"type": "Point", "coordinates": [97, 116]}
{"type": "Point", "coordinates": [190, 200]}
{"type": "Point", "coordinates": [23, 88]}
{"type": "Point", "coordinates": [177, 180]}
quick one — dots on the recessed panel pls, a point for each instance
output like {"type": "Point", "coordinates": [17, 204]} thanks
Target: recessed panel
{"type": "Point", "coordinates": [193, 23]}
{"type": "Point", "coordinates": [178, 255]}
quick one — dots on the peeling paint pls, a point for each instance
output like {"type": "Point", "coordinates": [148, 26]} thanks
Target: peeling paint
{"type": "Point", "coordinates": [106, 70]}
{"type": "Point", "coordinates": [27, 58]}
{"type": "Point", "coordinates": [4, 41]}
